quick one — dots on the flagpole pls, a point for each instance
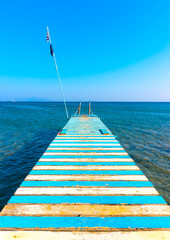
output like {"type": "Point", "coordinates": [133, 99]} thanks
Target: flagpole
{"type": "Point", "coordinates": [58, 76]}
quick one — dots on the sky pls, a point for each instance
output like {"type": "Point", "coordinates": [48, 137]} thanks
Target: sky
{"type": "Point", "coordinates": [115, 50]}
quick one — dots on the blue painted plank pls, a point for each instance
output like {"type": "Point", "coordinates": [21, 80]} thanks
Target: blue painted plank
{"type": "Point", "coordinates": [76, 222]}
{"type": "Point", "coordinates": [64, 131]}
{"type": "Point", "coordinates": [87, 183]}
{"type": "Point", "coordinates": [89, 199]}
{"type": "Point", "coordinates": [80, 172]}
{"type": "Point", "coordinates": [86, 163]}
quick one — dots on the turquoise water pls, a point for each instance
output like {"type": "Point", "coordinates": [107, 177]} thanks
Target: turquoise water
{"type": "Point", "coordinates": [26, 130]}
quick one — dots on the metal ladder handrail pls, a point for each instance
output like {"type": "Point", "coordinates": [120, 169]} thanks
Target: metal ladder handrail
{"type": "Point", "coordinates": [78, 110]}
{"type": "Point", "coordinates": [90, 111]}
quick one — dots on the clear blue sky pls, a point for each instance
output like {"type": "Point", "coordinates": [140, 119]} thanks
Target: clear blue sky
{"type": "Point", "coordinates": [115, 50]}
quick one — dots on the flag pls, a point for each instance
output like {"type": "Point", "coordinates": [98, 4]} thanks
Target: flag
{"type": "Point", "coordinates": [51, 50]}
{"type": "Point", "coordinates": [47, 37]}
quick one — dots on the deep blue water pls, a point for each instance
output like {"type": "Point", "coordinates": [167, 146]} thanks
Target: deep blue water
{"type": "Point", "coordinates": [26, 130]}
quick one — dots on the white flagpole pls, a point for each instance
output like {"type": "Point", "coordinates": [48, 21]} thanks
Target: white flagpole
{"type": "Point", "coordinates": [58, 76]}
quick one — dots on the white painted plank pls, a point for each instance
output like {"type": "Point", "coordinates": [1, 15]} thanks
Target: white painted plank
{"type": "Point", "coordinates": [78, 235]}
{"type": "Point", "coordinates": [86, 160]}
{"type": "Point", "coordinates": [86, 178]}
{"type": "Point", "coordinates": [85, 140]}
{"type": "Point", "coordinates": [86, 154]}
{"type": "Point", "coordinates": [100, 191]}
{"type": "Point", "coordinates": [85, 144]}
{"type": "Point", "coordinates": [90, 167]}
{"type": "Point", "coordinates": [85, 148]}
{"type": "Point", "coordinates": [85, 137]}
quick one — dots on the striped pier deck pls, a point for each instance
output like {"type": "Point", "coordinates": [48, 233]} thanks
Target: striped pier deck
{"type": "Point", "coordinates": [85, 186]}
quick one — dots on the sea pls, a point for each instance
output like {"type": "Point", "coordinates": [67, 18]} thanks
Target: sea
{"type": "Point", "coordinates": [27, 128]}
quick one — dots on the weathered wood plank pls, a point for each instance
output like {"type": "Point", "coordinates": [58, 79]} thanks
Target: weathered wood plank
{"type": "Point", "coordinates": [85, 140]}
{"type": "Point", "coordinates": [88, 167]}
{"type": "Point", "coordinates": [72, 235]}
{"type": "Point", "coordinates": [86, 153]}
{"type": "Point", "coordinates": [110, 191]}
{"type": "Point", "coordinates": [85, 160]}
{"type": "Point", "coordinates": [88, 210]}
{"type": "Point", "coordinates": [85, 148]}
{"type": "Point", "coordinates": [86, 178]}
{"type": "Point", "coordinates": [94, 163]}
{"type": "Point", "coordinates": [80, 144]}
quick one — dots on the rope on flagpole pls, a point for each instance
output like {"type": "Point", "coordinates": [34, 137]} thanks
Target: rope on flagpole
{"type": "Point", "coordinates": [58, 76]}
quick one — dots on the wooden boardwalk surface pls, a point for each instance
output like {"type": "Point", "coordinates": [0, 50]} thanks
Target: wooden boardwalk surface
{"type": "Point", "coordinates": [85, 186]}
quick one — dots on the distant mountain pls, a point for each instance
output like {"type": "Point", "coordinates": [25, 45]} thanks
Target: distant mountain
{"type": "Point", "coordinates": [32, 99]}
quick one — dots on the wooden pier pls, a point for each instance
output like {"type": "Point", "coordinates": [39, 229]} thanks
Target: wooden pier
{"type": "Point", "coordinates": [85, 186]}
